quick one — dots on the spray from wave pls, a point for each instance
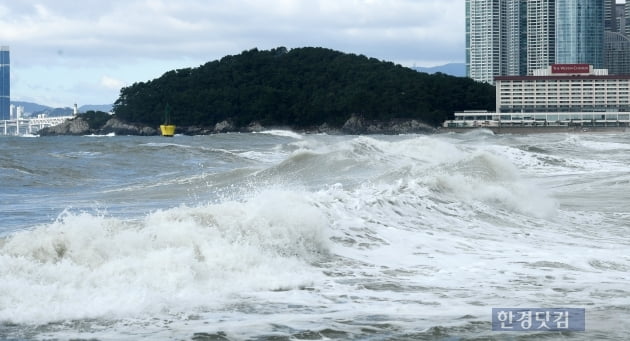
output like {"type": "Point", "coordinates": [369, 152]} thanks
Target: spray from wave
{"type": "Point", "coordinates": [87, 266]}
{"type": "Point", "coordinates": [350, 232]}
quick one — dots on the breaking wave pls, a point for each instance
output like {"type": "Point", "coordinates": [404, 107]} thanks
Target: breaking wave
{"type": "Point", "coordinates": [363, 235]}
{"type": "Point", "coordinates": [87, 266]}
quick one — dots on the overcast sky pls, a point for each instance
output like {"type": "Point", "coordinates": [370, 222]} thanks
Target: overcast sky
{"type": "Point", "coordinates": [68, 51]}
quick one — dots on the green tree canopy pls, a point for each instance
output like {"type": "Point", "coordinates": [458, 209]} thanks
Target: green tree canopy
{"type": "Point", "coordinates": [300, 88]}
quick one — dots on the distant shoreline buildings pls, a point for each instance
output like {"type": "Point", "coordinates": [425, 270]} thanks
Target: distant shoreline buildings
{"type": "Point", "coordinates": [16, 112]}
{"type": "Point", "coordinates": [563, 95]}
{"type": "Point", "coordinates": [517, 37]}
{"type": "Point", "coordinates": [558, 63]}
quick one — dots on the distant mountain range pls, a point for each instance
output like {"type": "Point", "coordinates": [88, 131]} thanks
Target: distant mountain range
{"type": "Point", "coordinates": [34, 109]}
{"type": "Point", "coordinates": [453, 69]}
{"type": "Point", "coordinates": [30, 107]}
{"type": "Point", "coordinates": [96, 107]}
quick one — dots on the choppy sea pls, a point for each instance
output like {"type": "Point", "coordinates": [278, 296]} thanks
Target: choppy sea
{"type": "Point", "coordinates": [284, 236]}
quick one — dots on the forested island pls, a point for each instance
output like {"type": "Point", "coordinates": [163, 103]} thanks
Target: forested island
{"type": "Point", "coordinates": [303, 89]}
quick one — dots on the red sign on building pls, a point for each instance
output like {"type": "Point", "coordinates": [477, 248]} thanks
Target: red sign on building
{"type": "Point", "coordinates": [570, 68]}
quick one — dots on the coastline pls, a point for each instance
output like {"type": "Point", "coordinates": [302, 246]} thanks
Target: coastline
{"type": "Point", "coordinates": [355, 125]}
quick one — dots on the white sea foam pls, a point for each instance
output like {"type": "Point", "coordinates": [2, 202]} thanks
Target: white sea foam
{"type": "Point", "coordinates": [86, 266]}
{"type": "Point", "coordinates": [596, 143]}
{"type": "Point", "coordinates": [101, 135]}
{"type": "Point", "coordinates": [167, 144]}
{"type": "Point", "coordinates": [387, 236]}
{"type": "Point", "coordinates": [283, 133]}
{"type": "Point", "coordinates": [267, 157]}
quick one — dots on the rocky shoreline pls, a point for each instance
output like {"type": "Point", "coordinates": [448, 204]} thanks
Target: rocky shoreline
{"type": "Point", "coordinates": [355, 125]}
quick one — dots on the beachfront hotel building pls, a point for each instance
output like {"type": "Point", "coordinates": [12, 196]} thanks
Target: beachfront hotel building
{"type": "Point", "coordinates": [5, 84]}
{"type": "Point", "coordinates": [560, 95]}
{"type": "Point", "coordinates": [553, 62]}
{"type": "Point", "coordinates": [563, 88]}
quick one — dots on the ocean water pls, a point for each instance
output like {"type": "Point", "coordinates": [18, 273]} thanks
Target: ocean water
{"type": "Point", "coordinates": [284, 236]}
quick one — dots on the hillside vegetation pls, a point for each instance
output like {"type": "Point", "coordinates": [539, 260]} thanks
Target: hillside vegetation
{"type": "Point", "coordinates": [300, 88]}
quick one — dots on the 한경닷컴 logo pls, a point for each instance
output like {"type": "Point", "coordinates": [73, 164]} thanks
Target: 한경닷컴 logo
{"type": "Point", "coordinates": [538, 319]}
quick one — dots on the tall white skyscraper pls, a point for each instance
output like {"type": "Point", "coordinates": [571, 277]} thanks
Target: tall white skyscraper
{"type": "Point", "coordinates": [483, 39]}
{"type": "Point", "coordinates": [509, 37]}
{"type": "Point", "coordinates": [541, 34]}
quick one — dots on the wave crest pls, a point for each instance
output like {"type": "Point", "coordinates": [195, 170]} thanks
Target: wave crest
{"type": "Point", "coordinates": [93, 266]}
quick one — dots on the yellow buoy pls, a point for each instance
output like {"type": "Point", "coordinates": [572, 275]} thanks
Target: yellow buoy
{"type": "Point", "coordinates": [167, 128]}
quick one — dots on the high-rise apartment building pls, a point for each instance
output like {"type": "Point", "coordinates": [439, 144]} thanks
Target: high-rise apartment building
{"type": "Point", "coordinates": [508, 37]}
{"type": "Point", "coordinates": [580, 32]}
{"type": "Point", "coordinates": [483, 39]}
{"type": "Point", "coordinates": [517, 37]}
{"type": "Point", "coordinates": [541, 34]}
{"type": "Point", "coordinates": [5, 83]}
{"type": "Point", "coordinates": [514, 33]}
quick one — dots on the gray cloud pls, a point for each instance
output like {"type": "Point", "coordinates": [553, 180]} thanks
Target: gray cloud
{"type": "Point", "coordinates": [104, 31]}
{"type": "Point", "coordinates": [66, 51]}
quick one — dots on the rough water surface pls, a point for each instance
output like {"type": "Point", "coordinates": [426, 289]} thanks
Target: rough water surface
{"type": "Point", "coordinates": [283, 236]}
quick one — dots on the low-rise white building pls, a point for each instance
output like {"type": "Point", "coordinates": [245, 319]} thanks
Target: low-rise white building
{"type": "Point", "coordinates": [562, 94]}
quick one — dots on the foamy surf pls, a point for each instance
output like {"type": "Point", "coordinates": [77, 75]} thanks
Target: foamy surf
{"type": "Point", "coordinates": [260, 236]}
{"type": "Point", "coordinates": [86, 266]}
{"type": "Point", "coordinates": [283, 133]}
